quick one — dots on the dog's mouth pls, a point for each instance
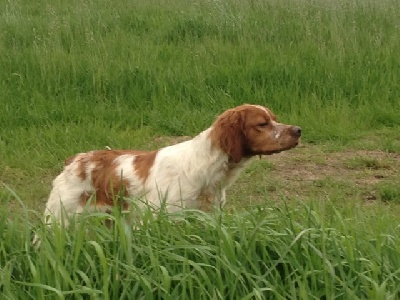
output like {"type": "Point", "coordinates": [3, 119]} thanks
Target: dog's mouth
{"type": "Point", "coordinates": [282, 149]}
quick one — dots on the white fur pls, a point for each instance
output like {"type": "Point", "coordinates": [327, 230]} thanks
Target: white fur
{"type": "Point", "coordinates": [180, 174]}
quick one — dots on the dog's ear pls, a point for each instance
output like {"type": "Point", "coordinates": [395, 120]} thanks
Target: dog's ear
{"type": "Point", "coordinates": [228, 133]}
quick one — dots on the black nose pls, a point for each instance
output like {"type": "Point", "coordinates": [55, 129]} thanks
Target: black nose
{"type": "Point", "coordinates": [296, 131]}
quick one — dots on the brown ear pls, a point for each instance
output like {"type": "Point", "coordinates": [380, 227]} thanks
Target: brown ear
{"type": "Point", "coordinates": [228, 133]}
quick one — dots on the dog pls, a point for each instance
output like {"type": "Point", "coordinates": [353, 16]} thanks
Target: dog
{"type": "Point", "coordinates": [193, 174]}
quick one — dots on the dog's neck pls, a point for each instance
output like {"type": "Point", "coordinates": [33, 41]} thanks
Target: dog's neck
{"type": "Point", "coordinates": [206, 157]}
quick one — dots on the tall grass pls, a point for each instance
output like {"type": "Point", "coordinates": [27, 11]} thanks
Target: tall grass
{"type": "Point", "coordinates": [306, 252]}
{"type": "Point", "coordinates": [173, 65]}
{"type": "Point", "coordinates": [81, 75]}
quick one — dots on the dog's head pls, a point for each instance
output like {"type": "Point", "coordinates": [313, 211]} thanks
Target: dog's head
{"type": "Point", "coordinates": [249, 130]}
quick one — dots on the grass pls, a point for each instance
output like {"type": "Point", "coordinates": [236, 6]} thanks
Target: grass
{"type": "Point", "coordinates": [76, 76]}
{"type": "Point", "coordinates": [305, 251]}
{"type": "Point", "coordinates": [362, 162]}
{"type": "Point", "coordinates": [389, 192]}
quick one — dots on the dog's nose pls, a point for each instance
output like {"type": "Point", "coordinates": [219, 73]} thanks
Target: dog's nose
{"type": "Point", "coordinates": [296, 131]}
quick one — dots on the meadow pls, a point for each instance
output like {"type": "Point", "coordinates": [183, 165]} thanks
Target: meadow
{"type": "Point", "coordinates": [318, 222]}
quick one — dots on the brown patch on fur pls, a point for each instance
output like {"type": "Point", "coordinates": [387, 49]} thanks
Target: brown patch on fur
{"type": "Point", "coordinates": [84, 198]}
{"type": "Point", "coordinates": [69, 160]}
{"type": "Point", "coordinates": [143, 164]}
{"type": "Point", "coordinates": [106, 181]}
{"type": "Point", "coordinates": [82, 165]}
{"type": "Point", "coordinates": [205, 202]}
{"type": "Point", "coordinates": [228, 133]}
{"type": "Point", "coordinates": [81, 160]}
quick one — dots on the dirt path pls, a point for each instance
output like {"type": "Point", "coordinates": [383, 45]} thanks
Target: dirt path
{"type": "Point", "coordinates": [310, 170]}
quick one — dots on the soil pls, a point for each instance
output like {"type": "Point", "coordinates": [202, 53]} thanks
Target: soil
{"type": "Point", "coordinates": [360, 173]}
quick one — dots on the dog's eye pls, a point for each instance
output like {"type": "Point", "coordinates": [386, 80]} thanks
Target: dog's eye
{"type": "Point", "coordinates": [265, 124]}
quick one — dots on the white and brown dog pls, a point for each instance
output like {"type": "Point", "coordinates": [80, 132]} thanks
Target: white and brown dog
{"type": "Point", "coordinates": [191, 174]}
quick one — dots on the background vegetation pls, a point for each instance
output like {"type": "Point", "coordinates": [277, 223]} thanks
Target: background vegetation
{"type": "Point", "coordinates": [80, 75]}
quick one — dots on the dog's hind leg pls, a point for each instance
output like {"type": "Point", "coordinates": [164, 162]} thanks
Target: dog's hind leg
{"type": "Point", "coordinates": [65, 199]}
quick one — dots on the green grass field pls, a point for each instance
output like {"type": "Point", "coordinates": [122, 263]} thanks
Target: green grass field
{"type": "Point", "coordinates": [318, 222]}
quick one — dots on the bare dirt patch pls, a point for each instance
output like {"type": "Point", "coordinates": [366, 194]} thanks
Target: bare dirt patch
{"type": "Point", "coordinates": [309, 170]}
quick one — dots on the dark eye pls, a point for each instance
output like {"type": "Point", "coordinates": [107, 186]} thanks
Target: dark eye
{"type": "Point", "coordinates": [265, 124]}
